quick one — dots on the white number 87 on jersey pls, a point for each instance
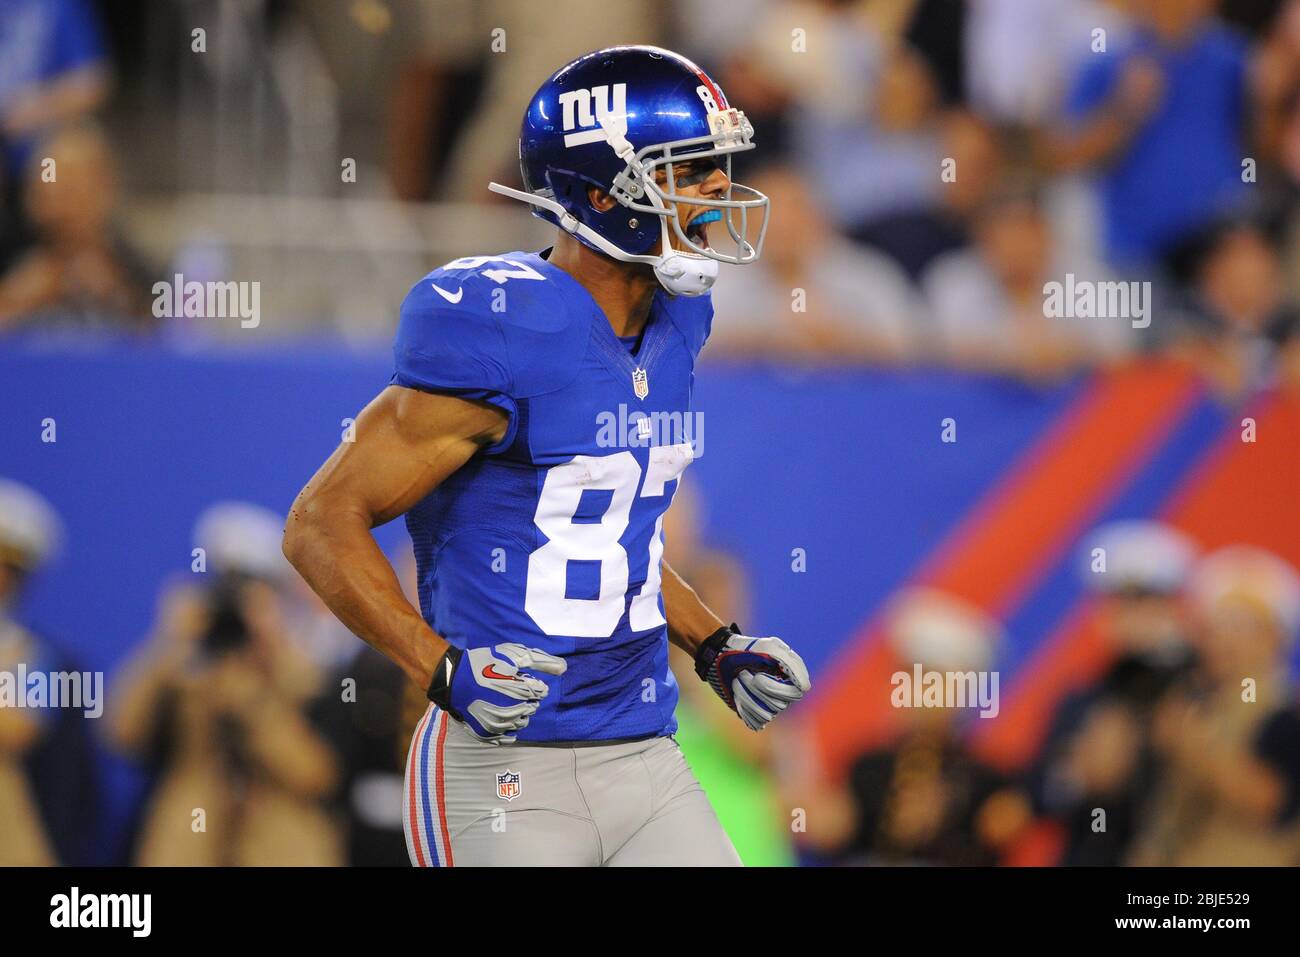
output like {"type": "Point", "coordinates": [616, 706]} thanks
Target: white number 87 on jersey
{"type": "Point", "coordinates": [545, 598]}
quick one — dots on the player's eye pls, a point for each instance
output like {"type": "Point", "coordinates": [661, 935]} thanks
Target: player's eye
{"type": "Point", "coordinates": [694, 173]}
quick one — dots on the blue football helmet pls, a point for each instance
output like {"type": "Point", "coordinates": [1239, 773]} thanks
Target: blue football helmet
{"type": "Point", "coordinates": [612, 119]}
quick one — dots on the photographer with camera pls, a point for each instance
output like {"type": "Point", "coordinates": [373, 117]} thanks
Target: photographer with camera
{"type": "Point", "coordinates": [215, 702]}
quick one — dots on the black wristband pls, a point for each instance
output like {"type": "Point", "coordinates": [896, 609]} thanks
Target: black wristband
{"type": "Point", "coordinates": [440, 687]}
{"type": "Point", "coordinates": [710, 648]}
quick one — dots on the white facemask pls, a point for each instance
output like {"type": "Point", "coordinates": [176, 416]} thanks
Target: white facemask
{"type": "Point", "coordinates": [680, 273]}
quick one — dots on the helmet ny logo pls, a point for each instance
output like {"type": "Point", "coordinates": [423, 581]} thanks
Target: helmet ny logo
{"type": "Point", "coordinates": [632, 111]}
{"type": "Point", "coordinates": [591, 111]}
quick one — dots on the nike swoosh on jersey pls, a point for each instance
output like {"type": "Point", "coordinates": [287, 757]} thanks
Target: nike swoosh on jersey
{"type": "Point", "coordinates": [452, 298]}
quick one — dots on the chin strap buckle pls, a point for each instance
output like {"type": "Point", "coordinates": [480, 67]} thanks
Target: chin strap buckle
{"type": "Point", "coordinates": [627, 184]}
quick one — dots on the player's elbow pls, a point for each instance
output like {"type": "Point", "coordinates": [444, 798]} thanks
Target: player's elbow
{"type": "Point", "coordinates": [291, 544]}
{"type": "Point", "coordinates": [303, 533]}
{"type": "Point", "coordinates": [320, 529]}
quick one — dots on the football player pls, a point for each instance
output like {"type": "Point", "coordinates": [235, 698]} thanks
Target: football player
{"type": "Point", "coordinates": [545, 606]}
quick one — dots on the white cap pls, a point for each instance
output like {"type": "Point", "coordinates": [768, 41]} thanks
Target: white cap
{"type": "Point", "coordinates": [30, 529]}
{"type": "Point", "coordinates": [241, 537]}
{"type": "Point", "coordinates": [1250, 574]}
{"type": "Point", "coordinates": [943, 632]}
{"type": "Point", "coordinates": [1140, 555]}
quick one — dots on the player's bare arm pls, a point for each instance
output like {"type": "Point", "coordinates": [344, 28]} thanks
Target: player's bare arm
{"type": "Point", "coordinates": [690, 621]}
{"type": "Point", "coordinates": [756, 677]}
{"type": "Point", "coordinates": [407, 443]}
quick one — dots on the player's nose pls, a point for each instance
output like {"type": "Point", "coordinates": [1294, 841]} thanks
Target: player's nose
{"type": "Point", "coordinates": [716, 184]}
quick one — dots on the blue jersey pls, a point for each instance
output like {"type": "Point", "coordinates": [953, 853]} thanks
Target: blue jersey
{"type": "Point", "coordinates": [553, 537]}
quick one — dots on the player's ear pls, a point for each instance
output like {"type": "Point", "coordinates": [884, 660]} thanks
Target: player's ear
{"type": "Point", "coordinates": [600, 200]}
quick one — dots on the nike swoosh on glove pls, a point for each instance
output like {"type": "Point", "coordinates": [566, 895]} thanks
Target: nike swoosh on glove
{"type": "Point", "coordinates": [490, 691]}
{"type": "Point", "coordinates": [758, 678]}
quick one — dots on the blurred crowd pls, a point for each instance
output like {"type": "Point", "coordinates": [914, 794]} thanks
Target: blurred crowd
{"type": "Point", "coordinates": [264, 731]}
{"type": "Point", "coordinates": [268, 735]}
{"type": "Point", "coordinates": [933, 164]}
{"type": "Point", "coordinates": [1179, 744]}
{"type": "Point", "coordinates": [1180, 748]}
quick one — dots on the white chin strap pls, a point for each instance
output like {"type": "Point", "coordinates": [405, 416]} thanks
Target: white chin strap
{"type": "Point", "coordinates": [681, 274]}
{"type": "Point", "coordinates": [686, 274]}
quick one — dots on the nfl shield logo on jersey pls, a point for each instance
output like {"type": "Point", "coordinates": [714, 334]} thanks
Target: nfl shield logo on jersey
{"type": "Point", "coordinates": [508, 785]}
{"type": "Point", "coordinates": [640, 383]}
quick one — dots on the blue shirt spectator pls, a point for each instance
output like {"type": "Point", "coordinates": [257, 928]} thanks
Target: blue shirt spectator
{"type": "Point", "coordinates": [51, 69]}
{"type": "Point", "coordinates": [1183, 165]}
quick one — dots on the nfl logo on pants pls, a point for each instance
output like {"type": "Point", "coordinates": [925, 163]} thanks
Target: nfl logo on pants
{"type": "Point", "coordinates": [508, 785]}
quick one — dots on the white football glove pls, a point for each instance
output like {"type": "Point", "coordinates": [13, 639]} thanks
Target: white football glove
{"type": "Point", "coordinates": [487, 689]}
{"type": "Point", "coordinates": [758, 678]}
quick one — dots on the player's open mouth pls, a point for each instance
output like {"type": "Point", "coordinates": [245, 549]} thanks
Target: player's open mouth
{"type": "Point", "coordinates": [696, 230]}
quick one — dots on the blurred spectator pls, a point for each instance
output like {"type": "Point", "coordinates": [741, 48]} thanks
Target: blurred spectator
{"type": "Point", "coordinates": [1239, 326]}
{"type": "Point", "coordinates": [1276, 82]}
{"type": "Point", "coordinates": [437, 67]}
{"type": "Point", "coordinates": [368, 716]}
{"type": "Point", "coordinates": [924, 799]}
{"type": "Point", "coordinates": [1229, 736]}
{"type": "Point", "coordinates": [80, 272]}
{"type": "Point", "coordinates": [46, 784]}
{"type": "Point", "coordinates": [854, 304]}
{"type": "Point", "coordinates": [864, 107]}
{"type": "Point", "coordinates": [801, 68]}
{"type": "Point", "coordinates": [1017, 80]}
{"type": "Point", "coordinates": [988, 303]}
{"type": "Point", "coordinates": [916, 236]}
{"type": "Point", "coordinates": [722, 39]}
{"type": "Point", "coordinates": [539, 38]}
{"type": "Point", "coordinates": [937, 30]}
{"type": "Point", "coordinates": [366, 713]}
{"type": "Point", "coordinates": [23, 838]}
{"type": "Point", "coordinates": [1163, 118]}
{"type": "Point", "coordinates": [1142, 616]}
{"type": "Point", "coordinates": [1097, 753]}
{"type": "Point", "coordinates": [13, 230]}
{"type": "Point", "coordinates": [1252, 17]}
{"type": "Point", "coordinates": [880, 166]}
{"type": "Point", "coordinates": [52, 71]}
{"type": "Point", "coordinates": [979, 161]}
{"type": "Point", "coordinates": [370, 732]}
{"type": "Point", "coordinates": [216, 702]}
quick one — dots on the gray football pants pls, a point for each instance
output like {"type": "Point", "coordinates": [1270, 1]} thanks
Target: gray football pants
{"type": "Point", "coordinates": [467, 802]}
